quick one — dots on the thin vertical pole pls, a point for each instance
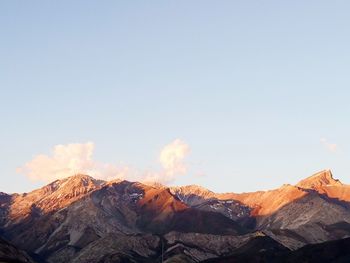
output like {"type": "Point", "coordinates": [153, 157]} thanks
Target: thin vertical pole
{"type": "Point", "coordinates": [162, 251]}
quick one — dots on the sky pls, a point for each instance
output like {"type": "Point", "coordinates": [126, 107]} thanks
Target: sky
{"type": "Point", "coordinates": [235, 96]}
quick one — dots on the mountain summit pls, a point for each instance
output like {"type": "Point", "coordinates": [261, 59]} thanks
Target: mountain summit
{"type": "Point", "coordinates": [320, 179]}
{"type": "Point", "coordinates": [80, 219]}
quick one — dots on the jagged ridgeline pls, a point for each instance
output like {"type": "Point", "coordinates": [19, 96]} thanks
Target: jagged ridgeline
{"type": "Point", "coordinates": [80, 219]}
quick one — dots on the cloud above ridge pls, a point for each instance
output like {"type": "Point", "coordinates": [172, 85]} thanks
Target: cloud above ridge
{"type": "Point", "coordinates": [67, 160]}
{"type": "Point", "coordinates": [172, 159]}
{"type": "Point", "coordinates": [70, 159]}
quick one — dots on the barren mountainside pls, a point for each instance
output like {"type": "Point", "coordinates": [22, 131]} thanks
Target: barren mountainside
{"type": "Point", "coordinates": [80, 219]}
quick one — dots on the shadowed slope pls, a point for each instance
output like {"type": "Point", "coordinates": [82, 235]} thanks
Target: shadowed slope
{"type": "Point", "coordinates": [68, 215]}
{"type": "Point", "coordinates": [11, 254]}
{"type": "Point", "coordinates": [68, 219]}
{"type": "Point", "coordinates": [332, 251]}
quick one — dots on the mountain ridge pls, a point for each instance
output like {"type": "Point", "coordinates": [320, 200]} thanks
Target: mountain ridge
{"type": "Point", "coordinates": [74, 218]}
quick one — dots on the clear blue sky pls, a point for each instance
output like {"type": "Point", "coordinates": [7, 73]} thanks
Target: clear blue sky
{"type": "Point", "coordinates": [251, 86]}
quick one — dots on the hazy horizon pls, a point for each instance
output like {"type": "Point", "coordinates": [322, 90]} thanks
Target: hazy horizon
{"type": "Point", "coordinates": [233, 96]}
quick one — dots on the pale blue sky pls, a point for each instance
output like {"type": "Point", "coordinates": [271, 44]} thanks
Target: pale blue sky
{"type": "Point", "coordinates": [251, 86]}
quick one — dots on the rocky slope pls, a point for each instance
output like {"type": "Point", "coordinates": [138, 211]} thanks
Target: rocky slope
{"type": "Point", "coordinates": [332, 251]}
{"type": "Point", "coordinates": [192, 194]}
{"type": "Point", "coordinates": [9, 253]}
{"type": "Point", "coordinates": [314, 210]}
{"type": "Point", "coordinates": [67, 219]}
{"type": "Point", "coordinates": [80, 219]}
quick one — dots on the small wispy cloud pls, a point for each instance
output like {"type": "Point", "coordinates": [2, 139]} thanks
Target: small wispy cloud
{"type": "Point", "coordinates": [70, 159]}
{"type": "Point", "coordinates": [332, 147]}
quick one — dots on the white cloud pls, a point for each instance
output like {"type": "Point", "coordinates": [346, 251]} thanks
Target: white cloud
{"type": "Point", "coordinates": [70, 159]}
{"type": "Point", "coordinates": [171, 158]}
{"type": "Point", "coordinates": [67, 160]}
{"type": "Point", "coordinates": [332, 147]}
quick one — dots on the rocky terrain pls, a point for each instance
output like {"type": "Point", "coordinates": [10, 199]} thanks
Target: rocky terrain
{"type": "Point", "coordinates": [313, 211]}
{"type": "Point", "coordinates": [264, 251]}
{"type": "Point", "coordinates": [9, 253]}
{"type": "Point", "coordinates": [80, 219]}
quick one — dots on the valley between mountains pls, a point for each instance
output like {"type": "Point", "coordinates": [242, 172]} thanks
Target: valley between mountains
{"type": "Point", "coordinates": [80, 219]}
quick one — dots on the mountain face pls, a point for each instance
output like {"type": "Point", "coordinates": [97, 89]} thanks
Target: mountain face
{"type": "Point", "coordinates": [67, 219]}
{"type": "Point", "coordinates": [265, 251]}
{"type": "Point", "coordinates": [80, 219]}
{"type": "Point", "coordinates": [313, 211]}
{"type": "Point", "coordinates": [9, 253]}
{"type": "Point", "coordinates": [319, 180]}
{"type": "Point", "coordinates": [192, 194]}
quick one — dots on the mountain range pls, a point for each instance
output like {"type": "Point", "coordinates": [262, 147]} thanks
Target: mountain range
{"type": "Point", "coordinates": [80, 219]}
